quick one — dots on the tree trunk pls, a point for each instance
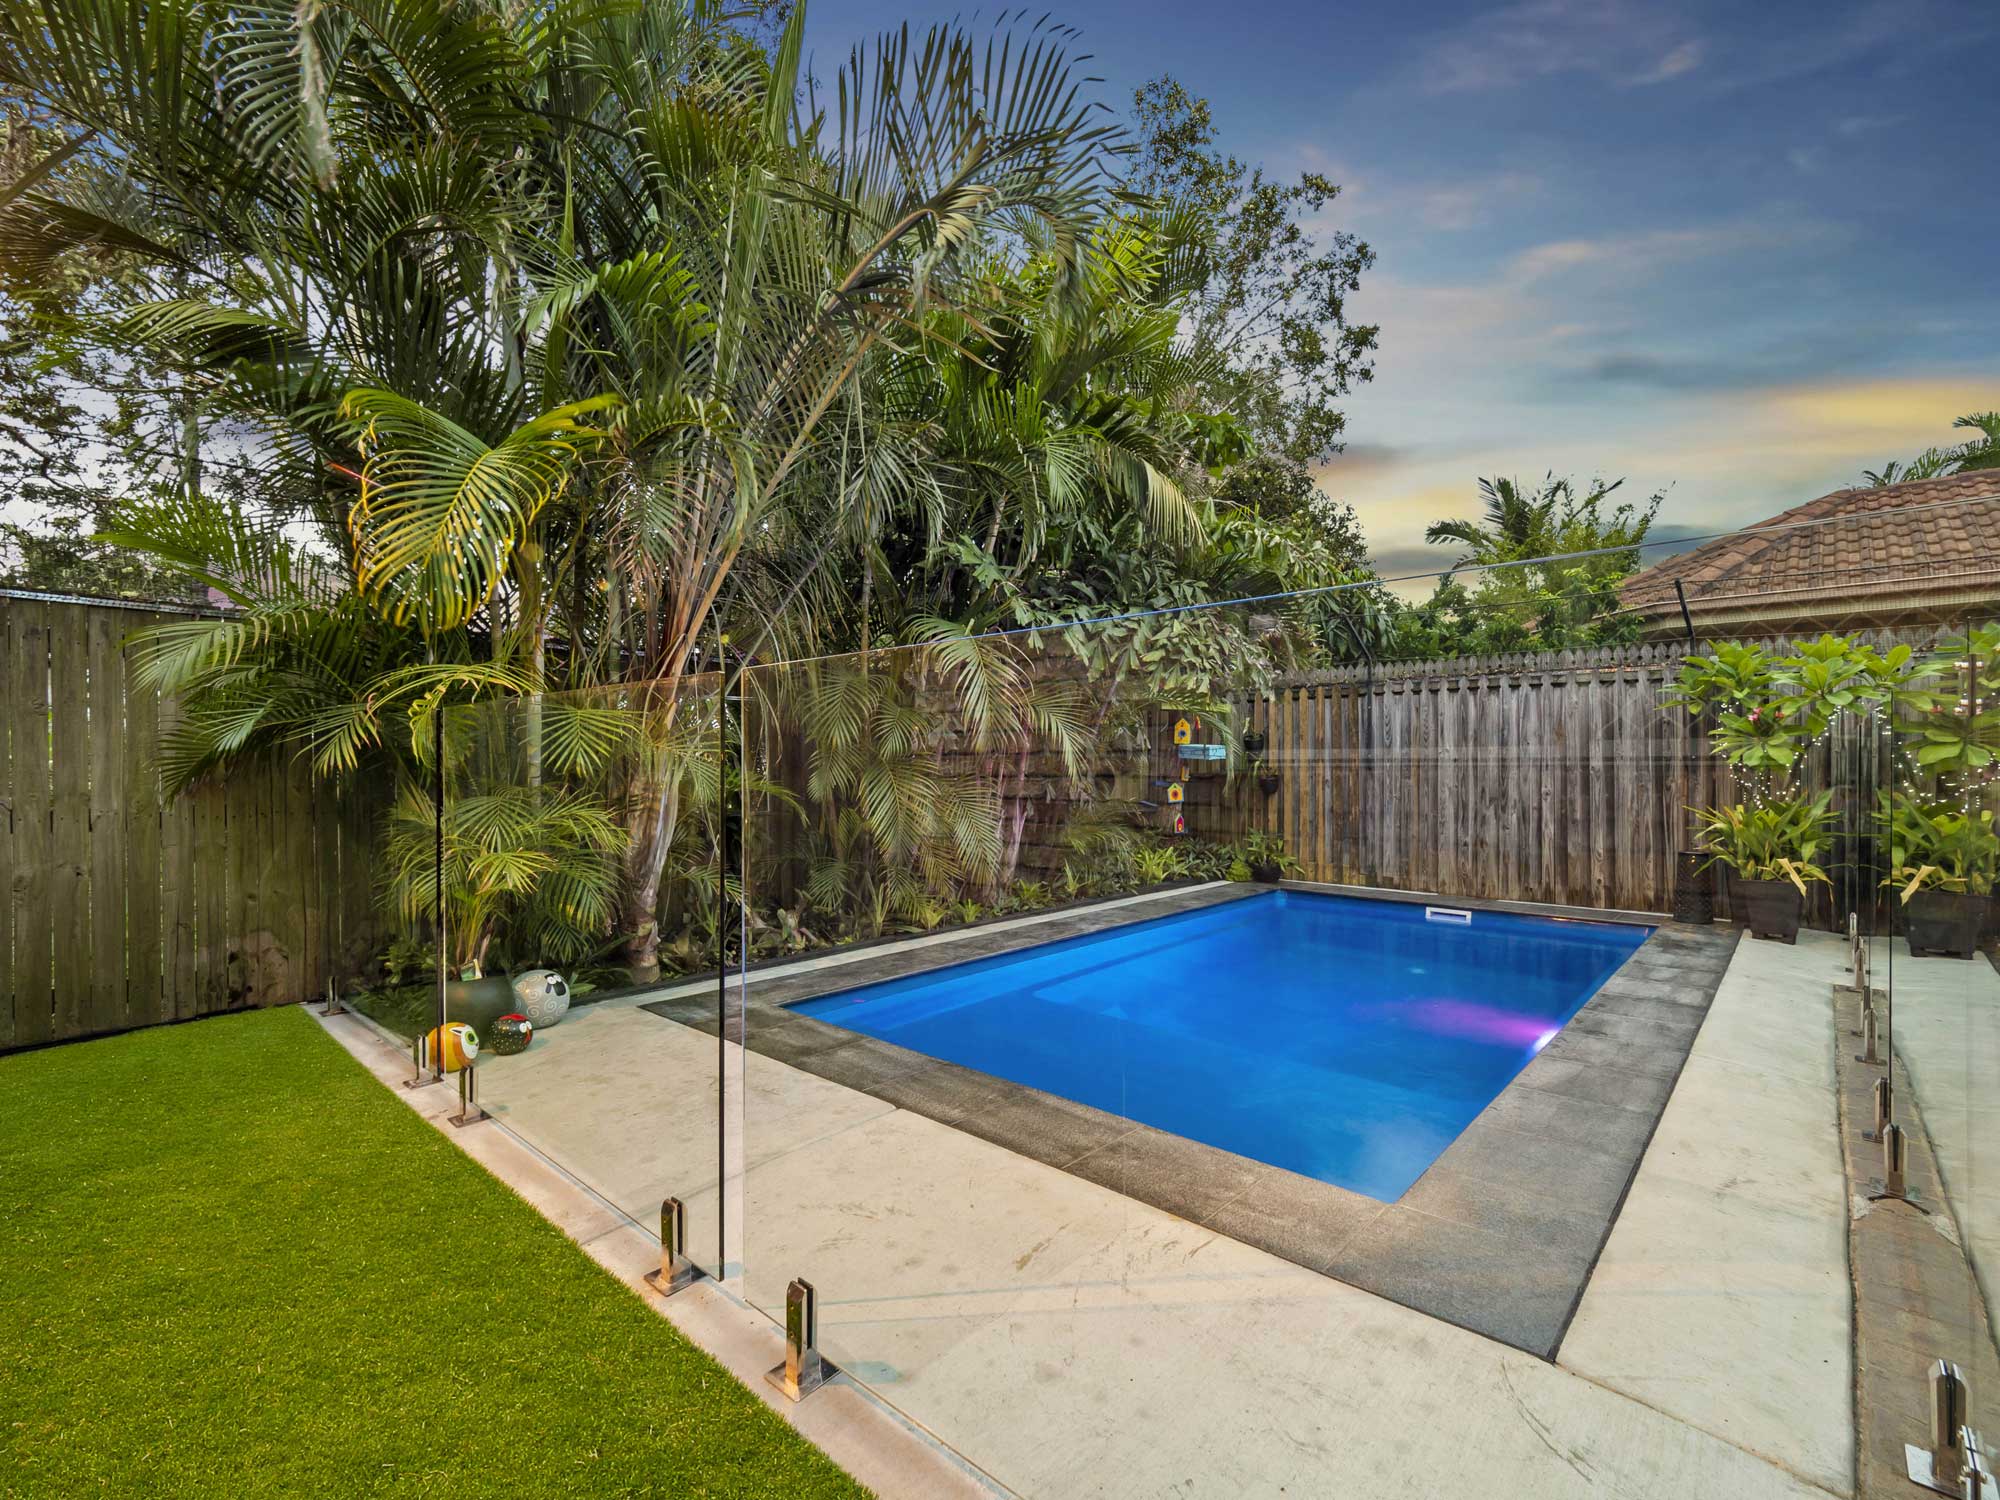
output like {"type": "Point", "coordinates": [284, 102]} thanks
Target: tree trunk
{"type": "Point", "coordinates": [653, 816]}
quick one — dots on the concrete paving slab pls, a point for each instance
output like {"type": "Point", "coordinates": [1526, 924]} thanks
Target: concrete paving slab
{"type": "Point", "coordinates": [1722, 1296]}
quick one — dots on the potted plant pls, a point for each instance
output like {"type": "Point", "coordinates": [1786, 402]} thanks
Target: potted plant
{"type": "Point", "coordinates": [1942, 862]}
{"type": "Point", "coordinates": [1253, 742]}
{"type": "Point", "coordinates": [536, 863]}
{"type": "Point", "coordinates": [1265, 854]}
{"type": "Point", "coordinates": [1268, 780]}
{"type": "Point", "coordinates": [1770, 851]}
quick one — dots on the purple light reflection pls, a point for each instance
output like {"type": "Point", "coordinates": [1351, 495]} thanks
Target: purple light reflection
{"type": "Point", "coordinates": [1449, 1016]}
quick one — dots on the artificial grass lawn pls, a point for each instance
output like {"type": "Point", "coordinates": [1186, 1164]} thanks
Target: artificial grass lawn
{"type": "Point", "coordinates": [232, 1264]}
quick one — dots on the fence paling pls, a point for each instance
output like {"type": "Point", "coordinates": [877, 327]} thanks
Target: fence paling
{"type": "Point", "coordinates": [1555, 777]}
{"type": "Point", "coordinates": [120, 908]}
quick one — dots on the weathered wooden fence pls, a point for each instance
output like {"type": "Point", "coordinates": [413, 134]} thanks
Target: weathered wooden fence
{"type": "Point", "coordinates": [120, 908]}
{"type": "Point", "coordinates": [1551, 778]}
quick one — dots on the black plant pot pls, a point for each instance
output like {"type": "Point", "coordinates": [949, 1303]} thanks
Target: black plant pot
{"type": "Point", "coordinates": [1253, 743]}
{"type": "Point", "coordinates": [1267, 874]}
{"type": "Point", "coordinates": [1770, 908]}
{"type": "Point", "coordinates": [478, 1002]}
{"type": "Point", "coordinates": [1268, 785]}
{"type": "Point", "coordinates": [1944, 924]}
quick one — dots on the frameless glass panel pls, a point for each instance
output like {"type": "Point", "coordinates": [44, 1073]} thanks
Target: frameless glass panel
{"type": "Point", "coordinates": [582, 835]}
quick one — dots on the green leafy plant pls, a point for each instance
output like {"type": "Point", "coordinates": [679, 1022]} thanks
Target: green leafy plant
{"type": "Point", "coordinates": [1769, 709]}
{"type": "Point", "coordinates": [539, 862]}
{"type": "Point", "coordinates": [1261, 848]}
{"type": "Point", "coordinates": [1775, 840]}
{"type": "Point", "coordinates": [1156, 864]}
{"type": "Point", "coordinates": [1937, 847]}
{"type": "Point", "coordinates": [1030, 894]}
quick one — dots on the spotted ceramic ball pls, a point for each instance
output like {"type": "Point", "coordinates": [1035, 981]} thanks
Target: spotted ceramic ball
{"type": "Point", "coordinates": [511, 1034]}
{"type": "Point", "coordinates": [543, 996]}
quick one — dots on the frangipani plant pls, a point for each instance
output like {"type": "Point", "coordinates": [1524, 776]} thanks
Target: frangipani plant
{"type": "Point", "coordinates": [1953, 721]}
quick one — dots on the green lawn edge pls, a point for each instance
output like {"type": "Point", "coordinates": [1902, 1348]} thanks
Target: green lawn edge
{"type": "Point", "coordinates": [236, 1264]}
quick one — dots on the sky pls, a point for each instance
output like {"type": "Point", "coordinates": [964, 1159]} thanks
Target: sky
{"type": "Point", "coordinates": [1733, 252]}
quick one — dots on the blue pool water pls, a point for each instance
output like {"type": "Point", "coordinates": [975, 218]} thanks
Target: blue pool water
{"type": "Point", "coordinates": [1345, 1039]}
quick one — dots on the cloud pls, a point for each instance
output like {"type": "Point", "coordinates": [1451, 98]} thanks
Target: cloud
{"type": "Point", "coordinates": [1617, 41]}
{"type": "Point", "coordinates": [1812, 355]}
{"type": "Point", "coordinates": [1854, 125]}
{"type": "Point", "coordinates": [1683, 59]}
{"type": "Point", "coordinates": [1628, 44]}
{"type": "Point", "coordinates": [1448, 207]}
{"type": "Point", "coordinates": [1644, 253]}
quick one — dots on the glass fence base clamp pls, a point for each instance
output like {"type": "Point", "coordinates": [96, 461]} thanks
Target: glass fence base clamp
{"type": "Point", "coordinates": [420, 1078]}
{"type": "Point", "coordinates": [469, 1112]}
{"type": "Point", "coordinates": [1954, 1463]}
{"type": "Point", "coordinates": [1977, 1483]}
{"type": "Point", "coordinates": [1870, 1053]}
{"type": "Point", "coordinates": [804, 1370]}
{"type": "Point", "coordinates": [1884, 1097]}
{"type": "Point", "coordinates": [676, 1273]}
{"type": "Point", "coordinates": [1893, 1185]}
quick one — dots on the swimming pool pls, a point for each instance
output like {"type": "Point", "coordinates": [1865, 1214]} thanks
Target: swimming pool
{"type": "Point", "coordinates": [1345, 1039]}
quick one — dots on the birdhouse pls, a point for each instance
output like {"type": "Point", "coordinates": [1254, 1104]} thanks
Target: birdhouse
{"type": "Point", "coordinates": [1175, 793]}
{"type": "Point", "coordinates": [1183, 732]}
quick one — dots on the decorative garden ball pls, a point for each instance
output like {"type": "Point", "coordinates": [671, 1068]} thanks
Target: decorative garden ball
{"type": "Point", "coordinates": [543, 995]}
{"type": "Point", "coordinates": [460, 1045]}
{"type": "Point", "coordinates": [511, 1034]}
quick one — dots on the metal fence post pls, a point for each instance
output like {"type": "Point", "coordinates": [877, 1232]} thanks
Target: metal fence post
{"type": "Point", "coordinates": [804, 1370]}
{"type": "Point", "coordinates": [676, 1272]}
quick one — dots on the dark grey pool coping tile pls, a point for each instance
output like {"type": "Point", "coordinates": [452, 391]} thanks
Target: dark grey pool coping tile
{"type": "Point", "coordinates": [1183, 1177]}
{"type": "Point", "coordinates": [1514, 1288]}
{"type": "Point", "coordinates": [1499, 1235]}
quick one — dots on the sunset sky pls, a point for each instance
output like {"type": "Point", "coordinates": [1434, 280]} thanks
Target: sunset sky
{"type": "Point", "coordinates": [1736, 252]}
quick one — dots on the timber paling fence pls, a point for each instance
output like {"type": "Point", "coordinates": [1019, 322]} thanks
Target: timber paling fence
{"type": "Point", "coordinates": [1553, 777]}
{"type": "Point", "coordinates": [122, 908]}
{"type": "Point", "coordinates": [1550, 777]}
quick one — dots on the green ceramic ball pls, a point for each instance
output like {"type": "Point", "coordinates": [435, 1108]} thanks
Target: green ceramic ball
{"type": "Point", "coordinates": [510, 1034]}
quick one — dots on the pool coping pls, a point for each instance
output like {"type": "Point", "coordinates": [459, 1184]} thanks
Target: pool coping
{"type": "Point", "coordinates": [1499, 1235]}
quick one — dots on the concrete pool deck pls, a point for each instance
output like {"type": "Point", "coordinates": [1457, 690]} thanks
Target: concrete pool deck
{"type": "Point", "coordinates": [1063, 1338]}
{"type": "Point", "coordinates": [1722, 1297]}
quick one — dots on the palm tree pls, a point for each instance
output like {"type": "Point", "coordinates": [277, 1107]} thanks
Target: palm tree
{"type": "Point", "coordinates": [1552, 560]}
{"type": "Point", "coordinates": [547, 317]}
{"type": "Point", "coordinates": [1518, 522]}
{"type": "Point", "coordinates": [1982, 452]}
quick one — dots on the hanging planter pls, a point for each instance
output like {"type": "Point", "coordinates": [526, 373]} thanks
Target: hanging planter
{"type": "Point", "coordinates": [1253, 742]}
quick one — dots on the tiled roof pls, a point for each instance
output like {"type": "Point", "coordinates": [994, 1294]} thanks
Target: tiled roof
{"type": "Point", "coordinates": [1858, 547]}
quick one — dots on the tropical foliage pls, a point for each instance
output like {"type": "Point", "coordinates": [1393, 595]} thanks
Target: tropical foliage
{"type": "Point", "coordinates": [1550, 557]}
{"type": "Point", "coordinates": [1767, 711]}
{"type": "Point", "coordinates": [1775, 840]}
{"type": "Point", "coordinates": [1936, 846]}
{"type": "Point", "coordinates": [1979, 452]}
